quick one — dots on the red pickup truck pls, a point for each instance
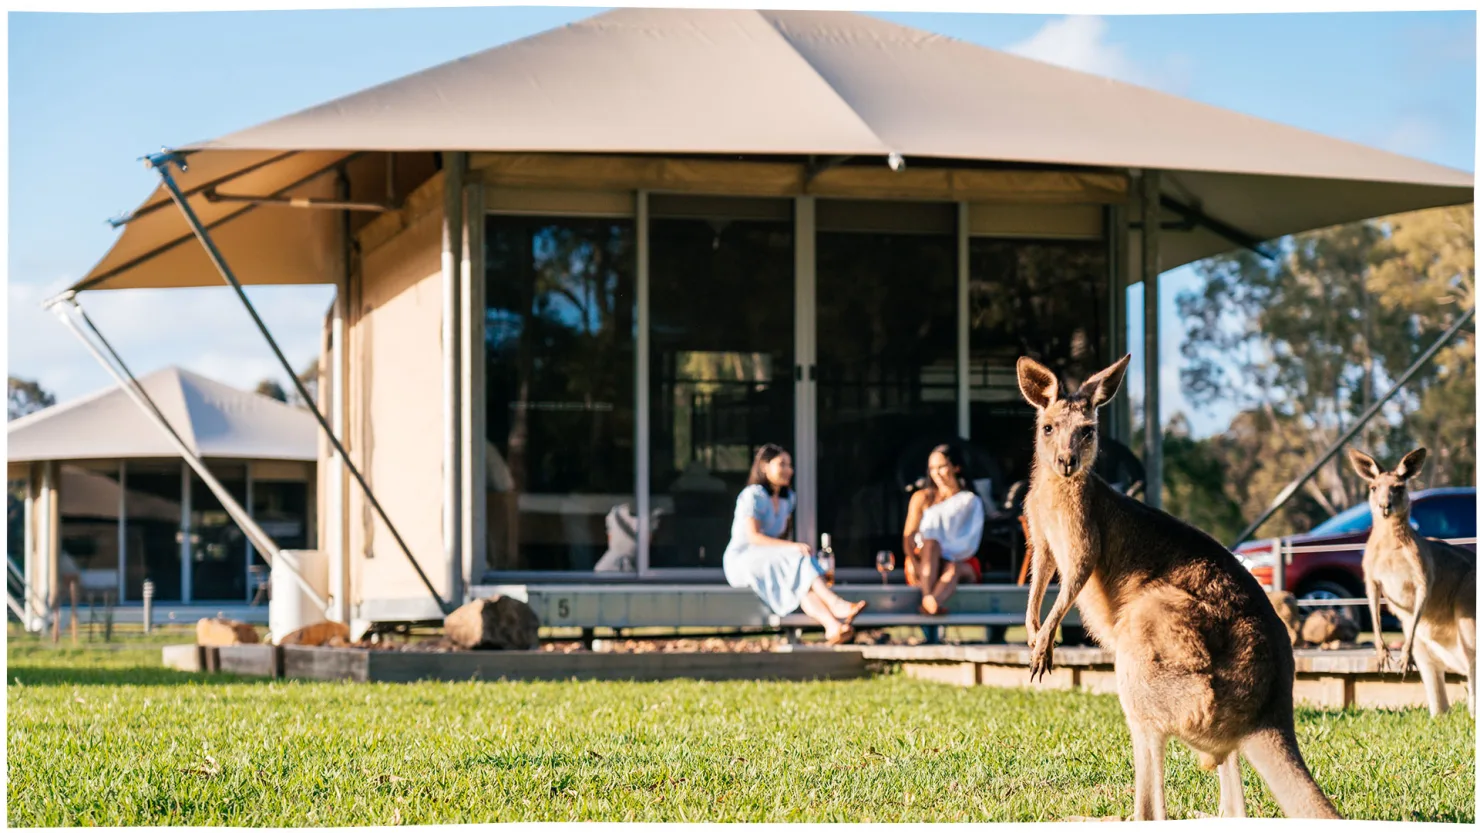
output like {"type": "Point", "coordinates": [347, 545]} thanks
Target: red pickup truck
{"type": "Point", "coordinates": [1445, 513]}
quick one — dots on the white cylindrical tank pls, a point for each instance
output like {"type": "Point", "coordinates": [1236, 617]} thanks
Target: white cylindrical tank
{"type": "Point", "coordinates": [290, 608]}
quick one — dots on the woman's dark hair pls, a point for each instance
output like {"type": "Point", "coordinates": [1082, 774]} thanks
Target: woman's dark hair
{"type": "Point", "coordinates": [764, 455]}
{"type": "Point", "coordinates": [956, 458]}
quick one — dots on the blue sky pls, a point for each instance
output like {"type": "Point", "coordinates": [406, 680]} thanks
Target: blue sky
{"type": "Point", "coordinates": [89, 94]}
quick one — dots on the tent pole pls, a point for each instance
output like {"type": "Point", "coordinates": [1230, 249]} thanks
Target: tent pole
{"type": "Point", "coordinates": [160, 162]}
{"type": "Point", "coordinates": [452, 250]}
{"type": "Point", "coordinates": [135, 391]}
{"type": "Point", "coordinates": [1150, 270]}
{"type": "Point", "coordinates": [333, 362]}
{"type": "Point", "coordinates": [1289, 491]}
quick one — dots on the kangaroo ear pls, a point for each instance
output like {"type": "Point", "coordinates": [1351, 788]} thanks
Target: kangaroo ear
{"type": "Point", "coordinates": [1366, 467]}
{"type": "Point", "coordinates": [1412, 463]}
{"type": "Point", "coordinates": [1101, 387]}
{"type": "Point", "coordinates": [1038, 384]}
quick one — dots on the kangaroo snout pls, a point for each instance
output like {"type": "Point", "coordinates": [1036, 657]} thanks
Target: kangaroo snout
{"type": "Point", "coordinates": [1068, 464]}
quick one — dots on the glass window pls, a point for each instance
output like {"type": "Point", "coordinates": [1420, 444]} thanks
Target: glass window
{"type": "Point", "coordinates": [723, 303]}
{"type": "Point", "coordinates": [560, 340]}
{"type": "Point", "coordinates": [152, 528]}
{"type": "Point", "coordinates": [1353, 519]}
{"type": "Point", "coordinates": [281, 509]}
{"type": "Point", "coordinates": [89, 495]}
{"type": "Point", "coordinates": [1445, 516]}
{"type": "Point", "coordinates": [1042, 298]}
{"type": "Point", "coordinates": [218, 547]}
{"type": "Point", "coordinates": [886, 364]}
{"type": "Point", "coordinates": [15, 521]}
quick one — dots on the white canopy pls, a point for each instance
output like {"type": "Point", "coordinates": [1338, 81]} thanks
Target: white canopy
{"type": "Point", "coordinates": [768, 84]}
{"type": "Point", "coordinates": [214, 420]}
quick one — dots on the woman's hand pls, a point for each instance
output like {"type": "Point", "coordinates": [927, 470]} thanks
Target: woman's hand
{"type": "Point", "coordinates": [804, 549]}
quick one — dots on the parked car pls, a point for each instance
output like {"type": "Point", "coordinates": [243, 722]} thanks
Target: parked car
{"type": "Point", "coordinates": [1446, 513]}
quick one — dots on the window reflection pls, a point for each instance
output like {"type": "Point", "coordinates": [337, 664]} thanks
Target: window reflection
{"type": "Point", "coordinates": [218, 547]}
{"type": "Point", "coordinates": [1045, 299]}
{"type": "Point", "coordinates": [560, 336]}
{"type": "Point", "coordinates": [886, 364]}
{"type": "Point", "coordinates": [152, 529]}
{"type": "Point", "coordinates": [89, 495]}
{"type": "Point", "coordinates": [723, 327]}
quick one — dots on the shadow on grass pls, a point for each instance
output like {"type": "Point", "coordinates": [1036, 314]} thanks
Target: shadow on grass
{"type": "Point", "coordinates": [34, 675]}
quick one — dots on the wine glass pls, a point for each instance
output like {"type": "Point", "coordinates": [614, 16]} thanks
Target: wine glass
{"type": "Point", "coordinates": [884, 563]}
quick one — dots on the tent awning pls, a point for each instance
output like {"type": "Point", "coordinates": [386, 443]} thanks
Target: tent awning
{"type": "Point", "coordinates": [767, 84]}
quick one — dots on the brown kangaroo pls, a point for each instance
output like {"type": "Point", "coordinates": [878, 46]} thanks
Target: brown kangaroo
{"type": "Point", "coordinates": [1200, 653]}
{"type": "Point", "coordinates": [1429, 585]}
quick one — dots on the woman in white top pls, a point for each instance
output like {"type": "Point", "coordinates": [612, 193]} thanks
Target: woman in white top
{"type": "Point", "coordinates": [942, 532]}
{"type": "Point", "coordinates": [785, 574]}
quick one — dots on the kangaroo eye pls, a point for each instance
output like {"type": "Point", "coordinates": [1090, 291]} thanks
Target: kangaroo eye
{"type": "Point", "coordinates": [1047, 429]}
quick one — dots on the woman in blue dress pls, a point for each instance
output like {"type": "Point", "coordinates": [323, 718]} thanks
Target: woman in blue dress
{"type": "Point", "coordinates": [785, 574]}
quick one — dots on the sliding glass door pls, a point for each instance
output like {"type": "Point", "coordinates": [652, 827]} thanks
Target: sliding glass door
{"type": "Point", "coordinates": [886, 364]}
{"type": "Point", "coordinates": [721, 359]}
{"type": "Point", "coordinates": [849, 331]}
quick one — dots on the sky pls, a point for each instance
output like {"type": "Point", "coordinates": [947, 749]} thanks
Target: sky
{"type": "Point", "coordinates": [90, 94]}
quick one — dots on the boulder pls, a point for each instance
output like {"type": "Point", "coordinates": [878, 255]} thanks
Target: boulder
{"type": "Point", "coordinates": [500, 623]}
{"type": "Point", "coordinates": [220, 631]}
{"type": "Point", "coordinates": [319, 634]}
{"type": "Point", "coordinates": [1284, 605]}
{"type": "Point", "coordinates": [1326, 625]}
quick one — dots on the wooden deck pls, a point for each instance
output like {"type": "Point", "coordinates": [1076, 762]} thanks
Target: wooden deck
{"type": "Point", "coordinates": [1324, 679]}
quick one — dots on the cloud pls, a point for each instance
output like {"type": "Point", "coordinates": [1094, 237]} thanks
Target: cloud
{"type": "Point", "coordinates": [205, 330]}
{"type": "Point", "coordinates": [1413, 135]}
{"type": "Point", "coordinates": [1078, 42]}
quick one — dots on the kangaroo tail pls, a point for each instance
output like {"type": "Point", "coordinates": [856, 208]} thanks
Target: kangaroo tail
{"type": "Point", "coordinates": [1275, 756]}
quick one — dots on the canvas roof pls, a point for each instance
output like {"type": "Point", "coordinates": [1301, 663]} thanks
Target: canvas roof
{"type": "Point", "coordinates": [769, 83]}
{"type": "Point", "coordinates": [214, 420]}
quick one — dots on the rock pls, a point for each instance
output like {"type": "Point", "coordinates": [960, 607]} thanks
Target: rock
{"type": "Point", "coordinates": [1284, 605]}
{"type": "Point", "coordinates": [500, 623]}
{"type": "Point", "coordinates": [221, 631]}
{"type": "Point", "coordinates": [320, 634]}
{"type": "Point", "coordinates": [1326, 625]}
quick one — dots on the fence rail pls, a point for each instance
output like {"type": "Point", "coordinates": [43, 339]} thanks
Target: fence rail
{"type": "Point", "coordinates": [1284, 551]}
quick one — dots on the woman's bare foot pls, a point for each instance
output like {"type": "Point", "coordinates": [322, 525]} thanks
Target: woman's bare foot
{"type": "Point", "coordinates": [841, 635]}
{"type": "Point", "coordinates": [845, 611]}
{"type": "Point", "coordinates": [929, 606]}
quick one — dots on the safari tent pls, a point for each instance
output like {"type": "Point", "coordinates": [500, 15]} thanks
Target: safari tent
{"type": "Point", "coordinates": [97, 492]}
{"type": "Point", "coordinates": [581, 276]}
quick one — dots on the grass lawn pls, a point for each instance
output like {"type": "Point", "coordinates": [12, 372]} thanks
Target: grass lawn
{"type": "Point", "coordinates": [107, 736]}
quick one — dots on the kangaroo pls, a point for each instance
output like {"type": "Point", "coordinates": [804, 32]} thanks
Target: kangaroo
{"type": "Point", "coordinates": [1429, 585]}
{"type": "Point", "coordinates": [1200, 653]}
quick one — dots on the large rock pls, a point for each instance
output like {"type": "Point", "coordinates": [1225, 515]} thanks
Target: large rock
{"type": "Point", "coordinates": [500, 623]}
{"type": "Point", "coordinates": [1284, 605]}
{"type": "Point", "coordinates": [320, 634]}
{"type": "Point", "coordinates": [1326, 626]}
{"type": "Point", "coordinates": [218, 632]}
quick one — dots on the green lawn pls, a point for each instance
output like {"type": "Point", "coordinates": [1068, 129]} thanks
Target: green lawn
{"type": "Point", "coordinates": [106, 736]}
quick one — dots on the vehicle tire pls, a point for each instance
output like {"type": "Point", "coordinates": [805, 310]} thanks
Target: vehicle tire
{"type": "Point", "coordinates": [1328, 588]}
